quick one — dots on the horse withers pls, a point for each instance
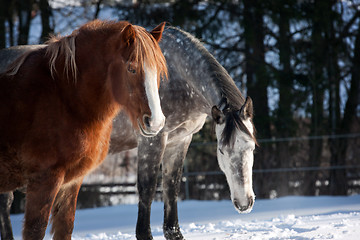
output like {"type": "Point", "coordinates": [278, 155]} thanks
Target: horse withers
{"type": "Point", "coordinates": [198, 87]}
{"type": "Point", "coordinates": [57, 105]}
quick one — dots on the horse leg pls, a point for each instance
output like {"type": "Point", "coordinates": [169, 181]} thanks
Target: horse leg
{"type": "Point", "coordinates": [172, 172]}
{"type": "Point", "coordinates": [150, 152]}
{"type": "Point", "coordinates": [40, 196]}
{"type": "Point", "coordinates": [63, 211]}
{"type": "Point", "coordinates": [6, 200]}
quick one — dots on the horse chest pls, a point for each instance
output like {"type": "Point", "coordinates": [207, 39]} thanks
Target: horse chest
{"type": "Point", "coordinates": [75, 152]}
{"type": "Point", "coordinates": [92, 151]}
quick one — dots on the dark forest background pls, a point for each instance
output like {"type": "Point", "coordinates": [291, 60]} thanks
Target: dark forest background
{"type": "Point", "coordinates": [298, 60]}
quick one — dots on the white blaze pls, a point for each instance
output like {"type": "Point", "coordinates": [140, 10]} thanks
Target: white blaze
{"type": "Point", "coordinates": [238, 157]}
{"type": "Point", "coordinates": [157, 120]}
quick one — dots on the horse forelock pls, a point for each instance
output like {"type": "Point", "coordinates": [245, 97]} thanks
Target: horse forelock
{"type": "Point", "coordinates": [146, 49]}
{"type": "Point", "coordinates": [234, 122]}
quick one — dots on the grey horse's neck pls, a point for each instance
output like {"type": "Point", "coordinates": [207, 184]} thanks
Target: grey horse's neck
{"type": "Point", "coordinates": [200, 69]}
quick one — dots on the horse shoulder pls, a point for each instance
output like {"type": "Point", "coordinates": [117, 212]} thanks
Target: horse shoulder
{"type": "Point", "coordinates": [187, 127]}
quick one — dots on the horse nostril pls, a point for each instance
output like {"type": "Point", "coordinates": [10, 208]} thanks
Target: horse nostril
{"type": "Point", "coordinates": [251, 202]}
{"type": "Point", "coordinates": [236, 204]}
{"type": "Point", "coordinates": [146, 120]}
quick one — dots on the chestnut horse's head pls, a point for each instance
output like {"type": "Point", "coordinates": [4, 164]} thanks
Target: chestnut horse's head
{"type": "Point", "coordinates": [135, 72]}
{"type": "Point", "coordinates": [125, 56]}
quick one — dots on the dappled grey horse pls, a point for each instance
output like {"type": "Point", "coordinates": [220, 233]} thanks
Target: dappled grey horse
{"type": "Point", "coordinates": [198, 87]}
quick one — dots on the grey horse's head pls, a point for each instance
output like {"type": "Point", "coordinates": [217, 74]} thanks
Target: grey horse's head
{"type": "Point", "coordinates": [236, 143]}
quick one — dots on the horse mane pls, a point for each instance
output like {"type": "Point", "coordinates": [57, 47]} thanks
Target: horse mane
{"type": "Point", "coordinates": [55, 47]}
{"type": "Point", "coordinates": [229, 90]}
{"type": "Point", "coordinates": [62, 46]}
{"type": "Point", "coordinates": [143, 51]}
{"type": "Point", "coordinates": [65, 46]}
{"type": "Point", "coordinates": [232, 98]}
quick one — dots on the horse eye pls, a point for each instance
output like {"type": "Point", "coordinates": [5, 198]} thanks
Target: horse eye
{"type": "Point", "coordinates": [131, 70]}
{"type": "Point", "coordinates": [221, 151]}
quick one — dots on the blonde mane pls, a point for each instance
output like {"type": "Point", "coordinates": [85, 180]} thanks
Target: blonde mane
{"type": "Point", "coordinates": [146, 50]}
{"type": "Point", "coordinates": [64, 46]}
{"type": "Point", "coordinates": [56, 46]}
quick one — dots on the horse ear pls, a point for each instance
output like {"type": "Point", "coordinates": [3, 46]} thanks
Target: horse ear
{"type": "Point", "coordinates": [128, 35]}
{"type": "Point", "coordinates": [246, 110]}
{"type": "Point", "coordinates": [217, 115]}
{"type": "Point", "coordinates": [157, 32]}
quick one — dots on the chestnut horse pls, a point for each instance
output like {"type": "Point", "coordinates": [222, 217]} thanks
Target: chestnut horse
{"type": "Point", "coordinates": [56, 110]}
{"type": "Point", "coordinates": [199, 87]}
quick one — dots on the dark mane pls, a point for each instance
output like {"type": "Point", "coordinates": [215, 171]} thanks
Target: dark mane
{"type": "Point", "coordinates": [229, 90]}
{"type": "Point", "coordinates": [232, 99]}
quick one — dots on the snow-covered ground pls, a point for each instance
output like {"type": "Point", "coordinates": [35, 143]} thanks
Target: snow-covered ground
{"type": "Point", "coordinates": [283, 218]}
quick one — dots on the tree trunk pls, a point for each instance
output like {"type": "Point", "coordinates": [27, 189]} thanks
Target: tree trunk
{"type": "Point", "coordinates": [338, 184]}
{"type": "Point", "coordinates": [46, 15]}
{"type": "Point", "coordinates": [317, 85]}
{"type": "Point", "coordinates": [24, 12]}
{"type": "Point", "coordinates": [2, 24]}
{"type": "Point", "coordinates": [284, 123]}
{"type": "Point", "coordinates": [338, 181]}
{"type": "Point", "coordinates": [257, 83]}
{"type": "Point", "coordinates": [98, 8]}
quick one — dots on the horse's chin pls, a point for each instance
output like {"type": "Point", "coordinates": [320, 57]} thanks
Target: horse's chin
{"type": "Point", "coordinates": [144, 132]}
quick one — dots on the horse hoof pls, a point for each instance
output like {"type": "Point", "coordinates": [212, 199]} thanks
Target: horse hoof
{"type": "Point", "coordinates": [144, 237]}
{"type": "Point", "coordinates": [173, 234]}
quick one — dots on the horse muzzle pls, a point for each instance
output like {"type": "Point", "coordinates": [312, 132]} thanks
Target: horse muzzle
{"type": "Point", "coordinates": [244, 206]}
{"type": "Point", "coordinates": [150, 127]}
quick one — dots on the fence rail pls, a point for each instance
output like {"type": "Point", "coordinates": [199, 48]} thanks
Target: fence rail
{"type": "Point", "coordinates": [212, 184]}
{"type": "Point", "coordinates": [290, 139]}
{"type": "Point", "coordinates": [129, 188]}
{"type": "Point", "coordinates": [275, 170]}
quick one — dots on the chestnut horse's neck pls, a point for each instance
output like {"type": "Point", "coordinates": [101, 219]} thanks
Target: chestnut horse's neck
{"type": "Point", "coordinates": [82, 85]}
{"type": "Point", "coordinates": [79, 65]}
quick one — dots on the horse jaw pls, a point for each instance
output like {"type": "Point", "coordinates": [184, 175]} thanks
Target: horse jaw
{"type": "Point", "coordinates": [157, 120]}
{"type": "Point", "coordinates": [237, 162]}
